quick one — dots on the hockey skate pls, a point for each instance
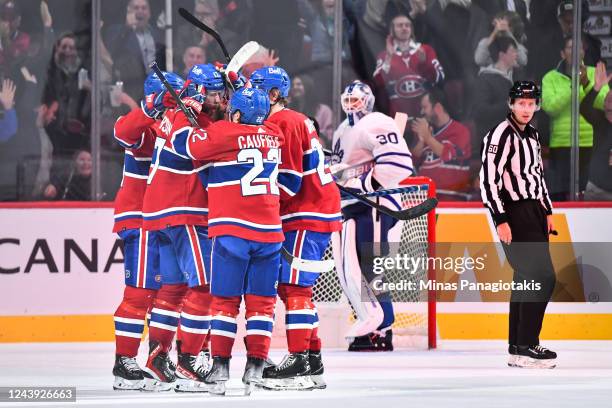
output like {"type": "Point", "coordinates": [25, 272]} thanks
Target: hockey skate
{"type": "Point", "coordinates": [316, 370]}
{"type": "Point", "coordinates": [159, 371]}
{"type": "Point", "coordinates": [535, 357]}
{"type": "Point", "coordinates": [293, 373]}
{"type": "Point", "coordinates": [190, 373]}
{"type": "Point", "coordinates": [218, 375]}
{"type": "Point", "coordinates": [253, 372]}
{"type": "Point", "coordinates": [373, 342]}
{"type": "Point", "coordinates": [128, 375]}
{"type": "Point", "coordinates": [512, 350]}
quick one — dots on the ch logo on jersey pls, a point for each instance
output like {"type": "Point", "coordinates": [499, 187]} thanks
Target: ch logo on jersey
{"type": "Point", "coordinates": [492, 149]}
{"type": "Point", "coordinates": [337, 153]}
{"type": "Point", "coordinates": [409, 86]}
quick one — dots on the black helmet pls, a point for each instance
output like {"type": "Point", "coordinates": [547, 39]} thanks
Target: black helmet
{"type": "Point", "coordinates": [525, 89]}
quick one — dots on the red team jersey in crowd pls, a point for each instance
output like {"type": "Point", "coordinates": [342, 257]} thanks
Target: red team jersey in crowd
{"type": "Point", "coordinates": [242, 188]}
{"type": "Point", "coordinates": [310, 199]}
{"type": "Point", "coordinates": [175, 193]}
{"type": "Point", "coordinates": [451, 170]}
{"type": "Point", "coordinates": [404, 78]}
{"type": "Point", "coordinates": [136, 132]}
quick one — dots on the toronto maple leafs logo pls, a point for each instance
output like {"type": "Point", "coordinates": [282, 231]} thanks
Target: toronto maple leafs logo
{"type": "Point", "coordinates": [337, 153]}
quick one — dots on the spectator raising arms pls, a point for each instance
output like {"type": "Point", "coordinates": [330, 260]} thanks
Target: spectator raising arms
{"type": "Point", "coordinates": [8, 117]}
{"type": "Point", "coordinates": [556, 102]}
{"type": "Point", "coordinates": [133, 46]}
{"type": "Point", "coordinates": [14, 44]}
{"type": "Point", "coordinates": [490, 94]}
{"type": "Point", "coordinates": [599, 186]}
{"type": "Point", "coordinates": [404, 69]}
{"type": "Point", "coordinates": [504, 23]}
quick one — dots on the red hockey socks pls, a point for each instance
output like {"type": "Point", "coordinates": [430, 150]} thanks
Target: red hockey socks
{"type": "Point", "coordinates": [130, 319]}
{"type": "Point", "coordinates": [223, 326]}
{"type": "Point", "coordinates": [195, 320]}
{"type": "Point", "coordinates": [259, 324]}
{"type": "Point", "coordinates": [165, 314]}
{"type": "Point", "coordinates": [299, 316]}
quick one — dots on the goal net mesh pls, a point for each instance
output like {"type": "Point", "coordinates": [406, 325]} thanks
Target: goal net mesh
{"type": "Point", "coordinates": [413, 239]}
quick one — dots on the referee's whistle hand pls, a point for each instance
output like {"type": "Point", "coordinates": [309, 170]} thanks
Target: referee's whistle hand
{"type": "Point", "coordinates": [504, 233]}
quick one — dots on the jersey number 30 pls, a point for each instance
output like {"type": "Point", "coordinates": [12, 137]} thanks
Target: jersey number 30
{"type": "Point", "coordinates": [388, 138]}
{"type": "Point", "coordinates": [253, 175]}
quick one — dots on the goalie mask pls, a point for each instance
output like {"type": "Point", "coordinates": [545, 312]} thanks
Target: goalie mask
{"type": "Point", "coordinates": [357, 101]}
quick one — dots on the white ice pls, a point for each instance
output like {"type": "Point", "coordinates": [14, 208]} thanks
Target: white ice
{"type": "Point", "coordinates": [457, 374]}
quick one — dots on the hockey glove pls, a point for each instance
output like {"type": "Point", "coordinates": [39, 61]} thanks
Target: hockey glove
{"type": "Point", "coordinates": [153, 105]}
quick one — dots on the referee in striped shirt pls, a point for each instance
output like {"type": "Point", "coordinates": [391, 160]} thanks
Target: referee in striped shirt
{"type": "Point", "coordinates": [513, 189]}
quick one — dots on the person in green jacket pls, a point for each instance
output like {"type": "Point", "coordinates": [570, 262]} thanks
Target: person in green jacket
{"type": "Point", "coordinates": [556, 102]}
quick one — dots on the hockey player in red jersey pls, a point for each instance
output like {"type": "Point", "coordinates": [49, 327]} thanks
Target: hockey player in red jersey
{"type": "Point", "coordinates": [136, 132]}
{"type": "Point", "coordinates": [310, 211]}
{"type": "Point", "coordinates": [404, 69]}
{"type": "Point", "coordinates": [176, 205]}
{"type": "Point", "coordinates": [245, 227]}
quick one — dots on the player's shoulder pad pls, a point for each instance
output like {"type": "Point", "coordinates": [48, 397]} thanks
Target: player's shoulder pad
{"type": "Point", "coordinates": [377, 120]}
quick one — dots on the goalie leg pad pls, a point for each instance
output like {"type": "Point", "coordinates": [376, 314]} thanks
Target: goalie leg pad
{"type": "Point", "coordinates": [362, 299]}
{"type": "Point", "coordinates": [130, 319]}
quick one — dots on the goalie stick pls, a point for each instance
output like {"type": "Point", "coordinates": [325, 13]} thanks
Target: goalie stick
{"type": "Point", "coordinates": [190, 116]}
{"type": "Point", "coordinates": [307, 265]}
{"type": "Point", "coordinates": [404, 215]}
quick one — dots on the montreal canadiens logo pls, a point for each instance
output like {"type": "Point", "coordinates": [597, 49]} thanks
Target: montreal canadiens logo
{"type": "Point", "coordinates": [409, 86]}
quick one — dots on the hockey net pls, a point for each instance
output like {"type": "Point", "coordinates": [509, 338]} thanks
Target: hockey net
{"type": "Point", "coordinates": [415, 311]}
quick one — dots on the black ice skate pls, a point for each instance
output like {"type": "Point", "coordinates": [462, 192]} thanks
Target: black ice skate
{"type": "Point", "coordinates": [190, 374]}
{"type": "Point", "coordinates": [158, 372]}
{"type": "Point", "coordinates": [535, 357]}
{"type": "Point", "coordinates": [373, 342]}
{"type": "Point", "coordinates": [128, 375]}
{"type": "Point", "coordinates": [253, 372]}
{"type": "Point", "coordinates": [316, 370]}
{"type": "Point", "coordinates": [218, 375]}
{"type": "Point", "coordinates": [293, 373]}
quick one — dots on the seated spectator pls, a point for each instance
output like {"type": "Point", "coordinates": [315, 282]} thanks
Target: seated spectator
{"type": "Point", "coordinates": [490, 93]}
{"type": "Point", "coordinates": [193, 55]}
{"type": "Point", "coordinates": [133, 46]}
{"type": "Point", "coordinates": [504, 23]}
{"type": "Point", "coordinates": [599, 186]}
{"type": "Point", "coordinates": [8, 117]}
{"type": "Point", "coordinates": [556, 102]}
{"type": "Point", "coordinates": [14, 43]}
{"type": "Point", "coordinates": [67, 108]}
{"type": "Point", "coordinates": [303, 98]}
{"type": "Point", "coordinates": [443, 149]}
{"type": "Point", "coordinates": [404, 70]}
{"type": "Point", "coordinates": [73, 184]}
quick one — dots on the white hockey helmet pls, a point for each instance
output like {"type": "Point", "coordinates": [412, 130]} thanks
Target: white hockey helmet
{"type": "Point", "coordinates": [357, 101]}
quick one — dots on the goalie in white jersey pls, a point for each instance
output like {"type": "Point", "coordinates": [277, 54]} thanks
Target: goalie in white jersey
{"type": "Point", "coordinates": [370, 148]}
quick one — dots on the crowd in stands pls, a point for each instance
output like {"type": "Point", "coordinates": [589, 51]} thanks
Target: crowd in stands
{"type": "Point", "coordinates": [448, 64]}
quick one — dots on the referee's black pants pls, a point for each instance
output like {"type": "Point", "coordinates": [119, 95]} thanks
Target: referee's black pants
{"type": "Point", "coordinates": [529, 256]}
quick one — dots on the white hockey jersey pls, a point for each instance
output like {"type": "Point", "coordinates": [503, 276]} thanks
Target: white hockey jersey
{"type": "Point", "coordinates": [373, 148]}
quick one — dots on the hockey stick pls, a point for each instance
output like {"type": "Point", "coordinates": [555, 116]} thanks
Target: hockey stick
{"type": "Point", "coordinates": [389, 191]}
{"type": "Point", "coordinates": [404, 215]}
{"type": "Point", "coordinates": [190, 116]}
{"type": "Point", "coordinates": [193, 20]}
{"type": "Point", "coordinates": [307, 265]}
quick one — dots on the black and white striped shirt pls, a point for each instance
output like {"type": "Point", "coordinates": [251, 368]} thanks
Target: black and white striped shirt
{"type": "Point", "coordinates": [512, 168]}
